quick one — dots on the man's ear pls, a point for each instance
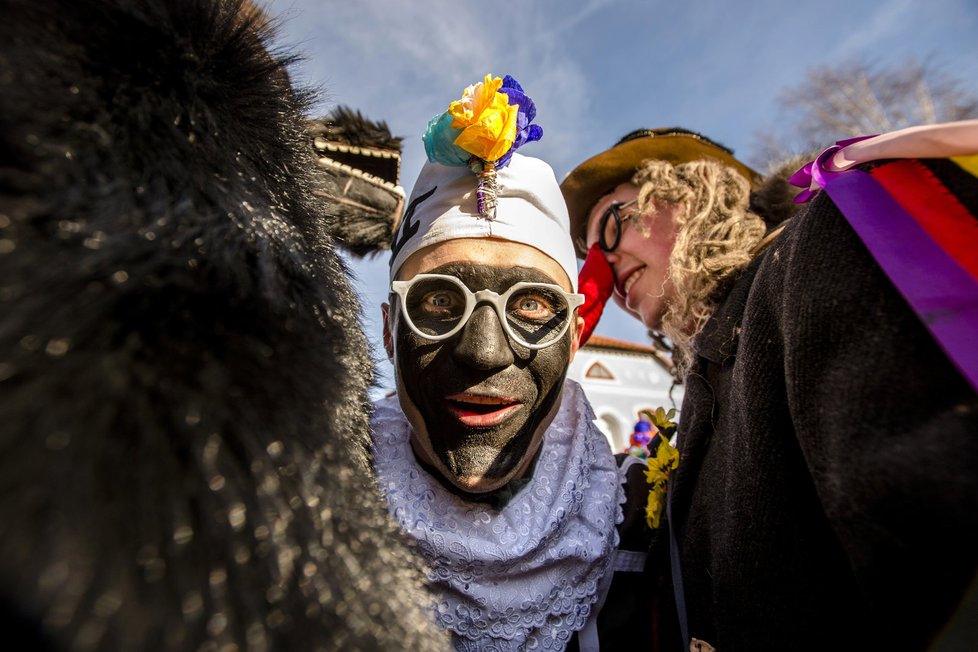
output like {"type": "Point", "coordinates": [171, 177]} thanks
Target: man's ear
{"type": "Point", "coordinates": [385, 310]}
{"type": "Point", "coordinates": [576, 340]}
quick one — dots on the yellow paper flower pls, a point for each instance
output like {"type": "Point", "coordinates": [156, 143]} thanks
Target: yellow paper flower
{"type": "Point", "coordinates": [475, 99]}
{"type": "Point", "coordinates": [486, 118]}
{"type": "Point", "coordinates": [655, 506]}
{"type": "Point", "coordinates": [666, 459]}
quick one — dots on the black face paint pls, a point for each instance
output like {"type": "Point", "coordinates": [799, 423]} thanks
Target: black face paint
{"type": "Point", "coordinates": [483, 398]}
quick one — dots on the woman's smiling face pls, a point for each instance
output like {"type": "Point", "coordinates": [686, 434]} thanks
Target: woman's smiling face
{"type": "Point", "coordinates": [640, 262]}
{"type": "Point", "coordinates": [478, 402]}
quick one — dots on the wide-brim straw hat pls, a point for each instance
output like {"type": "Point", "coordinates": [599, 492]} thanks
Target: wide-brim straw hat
{"type": "Point", "coordinates": [600, 174]}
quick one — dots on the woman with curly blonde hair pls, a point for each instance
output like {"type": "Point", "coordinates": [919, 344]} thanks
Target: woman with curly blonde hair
{"type": "Point", "coordinates": [821, 420]}
{"type": "Point", "coordinates": [715, 234]}
{"type": "Point", "coordinates": [690, 227]}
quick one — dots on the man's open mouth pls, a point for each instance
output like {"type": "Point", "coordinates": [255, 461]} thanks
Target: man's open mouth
{"type": "Point", "coordinates": [480, 411]}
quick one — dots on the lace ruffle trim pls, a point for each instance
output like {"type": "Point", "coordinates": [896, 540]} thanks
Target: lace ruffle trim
{"type": "Point", "coordinates": [525, 576]}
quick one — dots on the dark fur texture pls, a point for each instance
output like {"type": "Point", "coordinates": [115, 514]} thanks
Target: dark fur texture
{"type": "Point", "coordinates": [358, 172]}
{"type": "Point", "coordinates": [182, 371]}
{"type": "Point", "coordinates": [346, 125]}
{"type": "Point", "coordinates": [774, 198]}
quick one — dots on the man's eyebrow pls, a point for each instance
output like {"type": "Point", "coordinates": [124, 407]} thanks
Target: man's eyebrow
{"type": "Point", "coordinates": [480, 271]}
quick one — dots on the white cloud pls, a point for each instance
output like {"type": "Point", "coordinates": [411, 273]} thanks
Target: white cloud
{"type": "Point", "coordinates": [599, 68]}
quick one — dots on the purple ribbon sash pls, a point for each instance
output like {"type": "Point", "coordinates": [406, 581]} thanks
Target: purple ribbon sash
{"type": "Point", "coordinates": [940, 291]}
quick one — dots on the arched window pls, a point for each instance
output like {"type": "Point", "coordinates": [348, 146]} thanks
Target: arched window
{"type": "Point", "coordinates": [611, 427]}
{"type": "Point", "coordinates": [598, 370]}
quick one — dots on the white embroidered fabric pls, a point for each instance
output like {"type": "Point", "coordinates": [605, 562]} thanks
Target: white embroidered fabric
{"type": "Point", "coordinates": [524, 577]}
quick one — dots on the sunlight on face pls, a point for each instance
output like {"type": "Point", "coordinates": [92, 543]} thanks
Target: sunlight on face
{"type": "Point", "coordinates": [640, 262]}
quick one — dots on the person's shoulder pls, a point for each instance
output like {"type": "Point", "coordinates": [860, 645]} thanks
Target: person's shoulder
{"type": "Point", "coordinates": [815, 246]}
{"type": "Point", "coordinates": [386, 408]}
{"type": "Point", "coordinates": [389, 398]}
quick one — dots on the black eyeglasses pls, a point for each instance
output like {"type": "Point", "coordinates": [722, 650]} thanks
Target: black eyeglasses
{"type": "Point", "coordinates": [609, 228]}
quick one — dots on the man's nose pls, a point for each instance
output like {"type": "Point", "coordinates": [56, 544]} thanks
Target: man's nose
{"type": "Point", "coordinates": [483, 343]}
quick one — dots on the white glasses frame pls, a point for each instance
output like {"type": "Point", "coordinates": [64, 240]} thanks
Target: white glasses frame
{"type": "Point", "coordinates": [498, 301]}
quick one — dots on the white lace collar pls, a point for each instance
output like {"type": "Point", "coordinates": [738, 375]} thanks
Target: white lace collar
{"type": "Point", "coordinates": [525, 576]}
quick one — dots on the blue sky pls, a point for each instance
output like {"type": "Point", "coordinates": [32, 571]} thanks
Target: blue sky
{"type": "Point", "coordinates": [598, 69]}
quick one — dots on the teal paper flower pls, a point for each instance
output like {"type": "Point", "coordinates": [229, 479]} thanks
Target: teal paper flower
{"type": "Point", "coordinates": [439, 142]}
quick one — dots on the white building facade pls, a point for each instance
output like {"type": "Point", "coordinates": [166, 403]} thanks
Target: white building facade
{"type": "Point", "coordinates": [621, 379]}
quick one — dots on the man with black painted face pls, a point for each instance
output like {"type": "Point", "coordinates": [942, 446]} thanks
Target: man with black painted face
{"type": "Point", "coordinates": [480, 400]}
{"type": "Point", "coordinates": [488, 457]}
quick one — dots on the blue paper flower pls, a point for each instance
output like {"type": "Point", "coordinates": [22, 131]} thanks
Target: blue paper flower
{"type": "Point", "coordinates": [525, 132]}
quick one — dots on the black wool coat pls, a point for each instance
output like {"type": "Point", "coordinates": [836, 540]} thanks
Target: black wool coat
{"type": "Point", "coordinates": [827, 494]}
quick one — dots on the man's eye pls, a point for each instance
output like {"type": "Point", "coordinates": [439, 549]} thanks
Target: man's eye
{"type": "Point", "coordinates": [441, 302]}
{"type": "Point", "coordinates": [532, 306]}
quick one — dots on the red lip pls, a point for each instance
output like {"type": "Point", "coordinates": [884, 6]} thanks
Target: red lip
{"type": "Point", "coordinates": [480, 410]}
{"type": "Point", "coordinates": [621, 278]}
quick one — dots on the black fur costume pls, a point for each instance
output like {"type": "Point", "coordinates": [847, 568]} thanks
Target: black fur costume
{"type": "Point", "coordinates": [183, 409]}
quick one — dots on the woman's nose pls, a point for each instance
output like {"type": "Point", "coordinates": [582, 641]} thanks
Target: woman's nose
{"type": "Point", "coordinates": [483, 343]}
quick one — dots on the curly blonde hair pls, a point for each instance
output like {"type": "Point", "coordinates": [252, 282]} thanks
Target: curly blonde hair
{"type": "Point", "coordinates": [715, 236]}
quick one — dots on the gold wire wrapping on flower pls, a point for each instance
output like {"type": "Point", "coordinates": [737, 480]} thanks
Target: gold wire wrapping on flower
{"type": "Point", "coordinates": [485, 195]}
{"type": "Point", "coordinates": [482, 130]}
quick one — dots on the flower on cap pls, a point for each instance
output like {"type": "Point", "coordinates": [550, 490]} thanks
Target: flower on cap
{"type": "Point", "coordinates": [481, 131]}
{"type": "Point", "coordinates": [486, 118]}
{"type": "Point", "coordinates": [489, 122]}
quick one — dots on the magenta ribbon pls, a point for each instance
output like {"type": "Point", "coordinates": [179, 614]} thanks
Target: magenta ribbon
{"type": "Point", "coordinates": [943, 294]}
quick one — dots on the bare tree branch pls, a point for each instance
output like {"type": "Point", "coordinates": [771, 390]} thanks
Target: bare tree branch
{"type": "Point", "coordinates": [860, 97]}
